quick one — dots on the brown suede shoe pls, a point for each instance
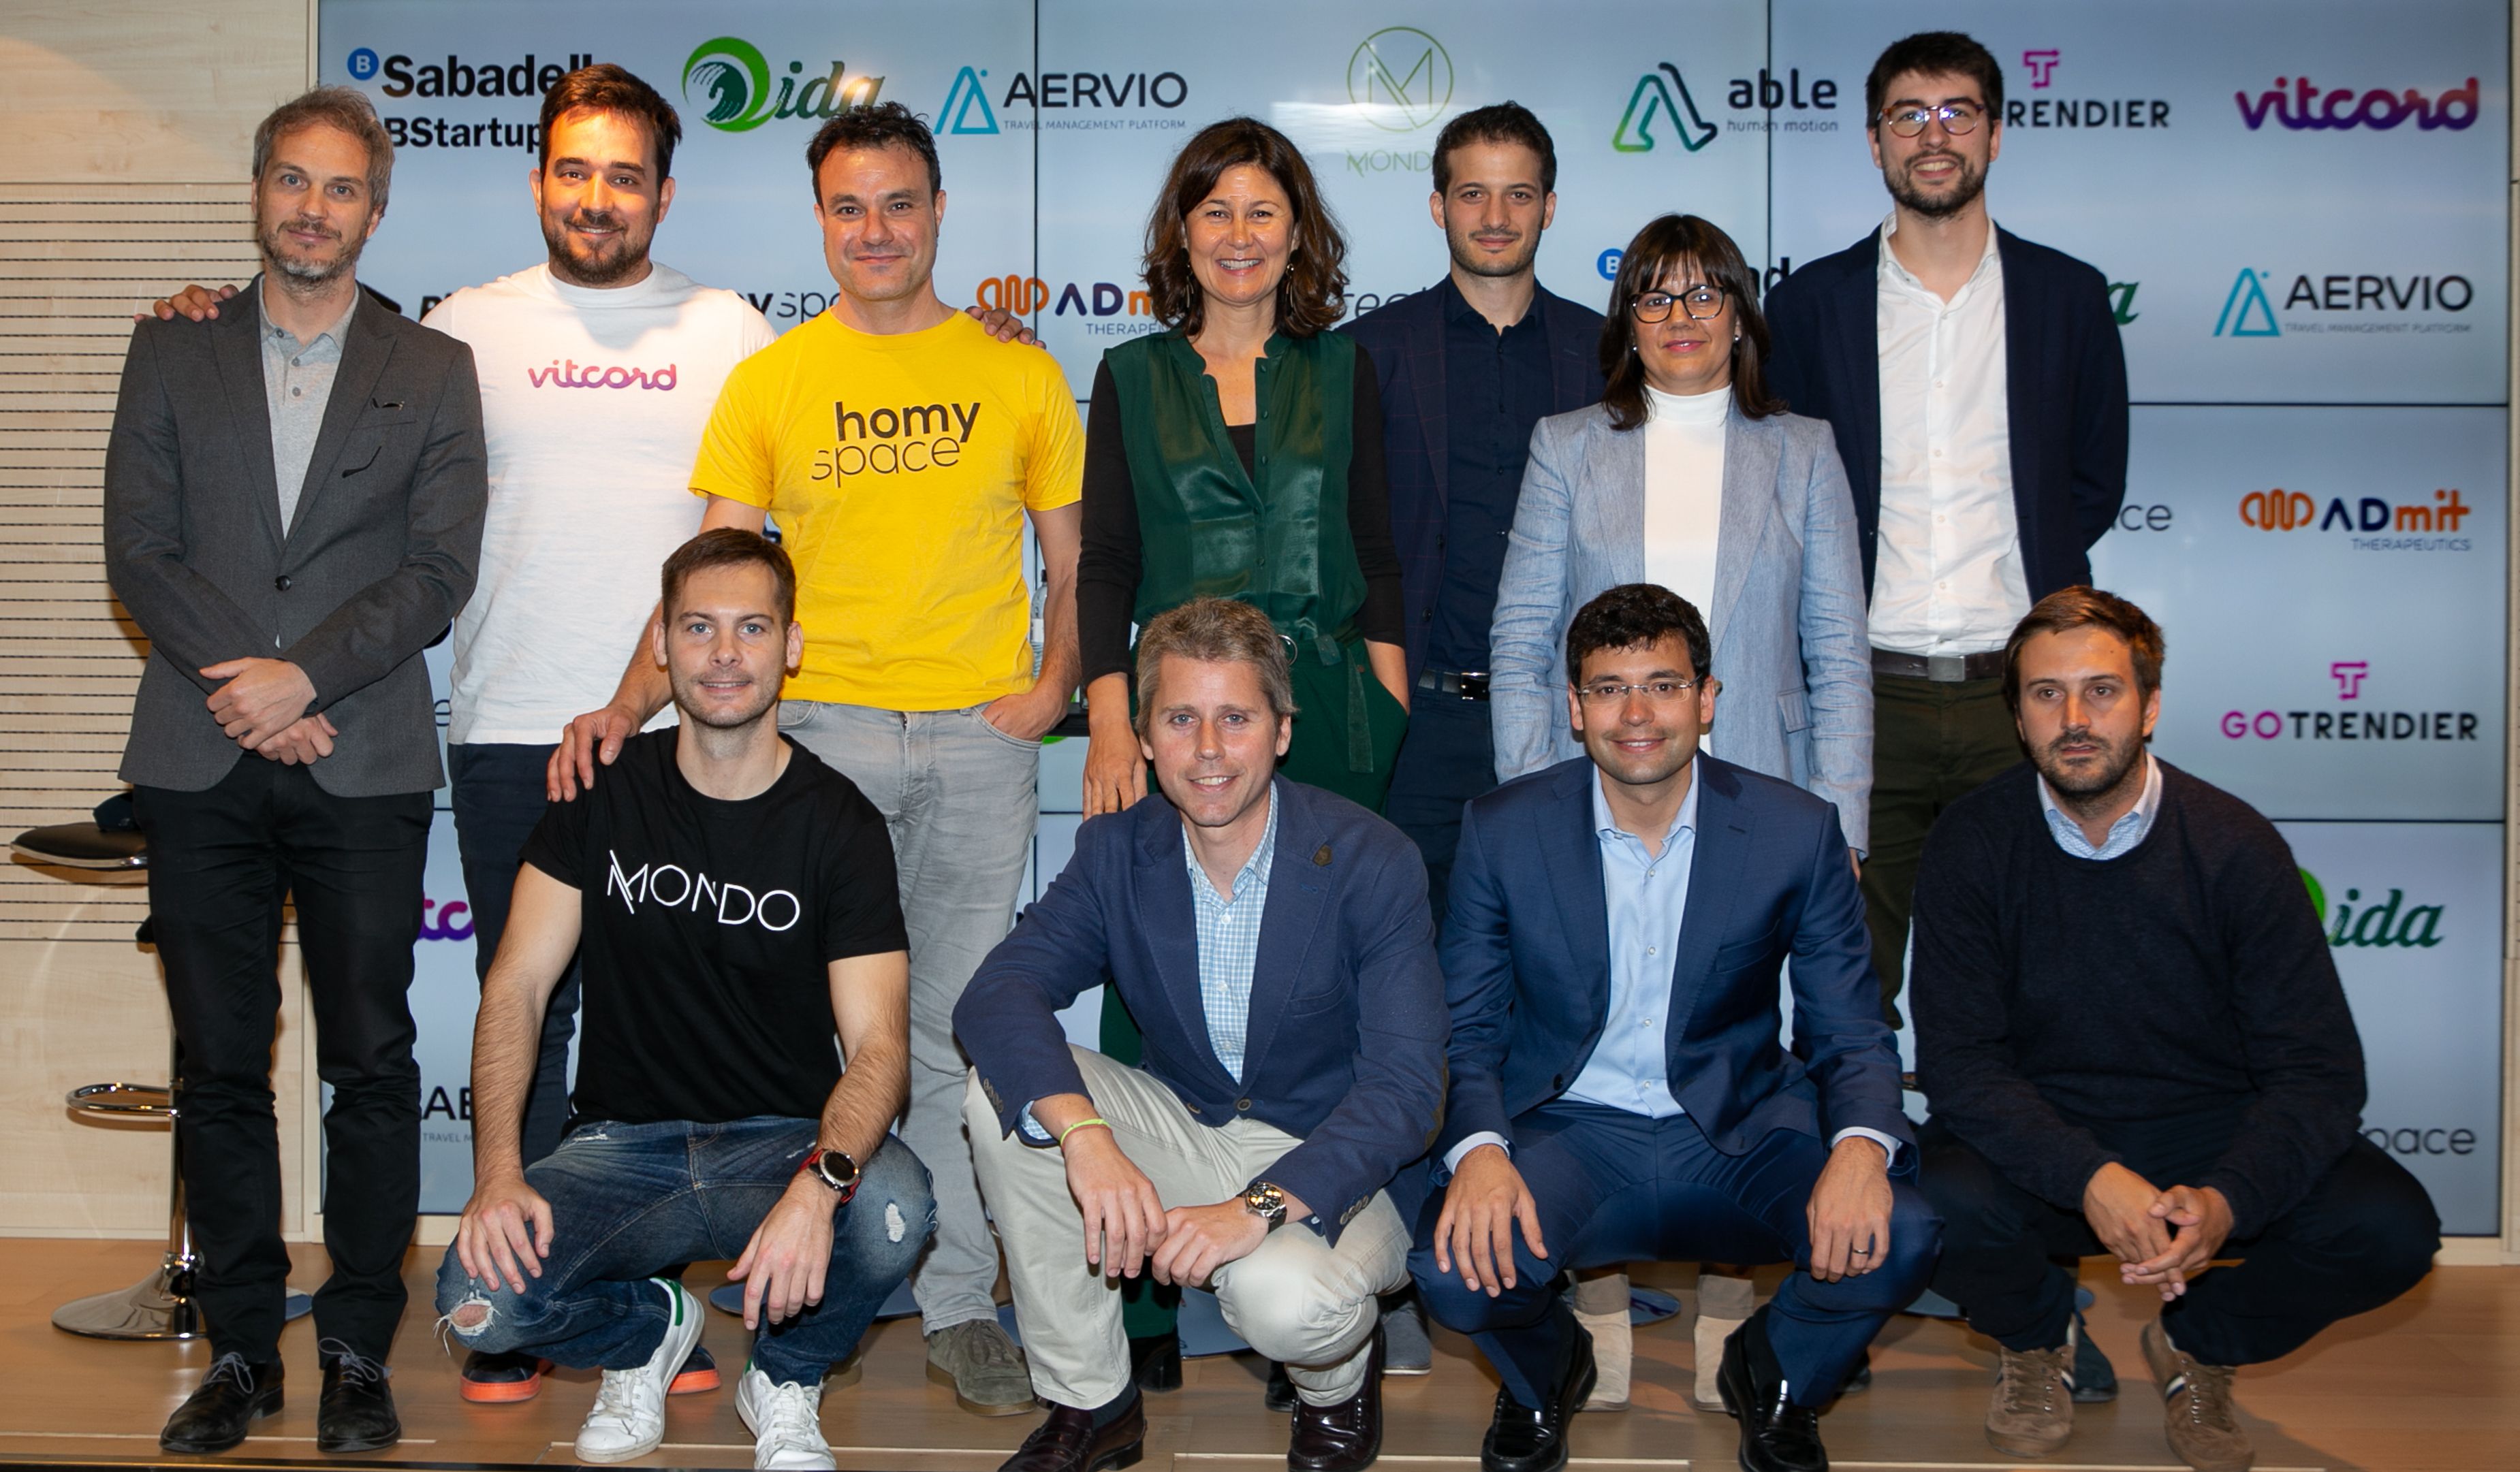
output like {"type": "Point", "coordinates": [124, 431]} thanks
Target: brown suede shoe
{"type": "Point", "coordinates": [2196, 1406]}
{"type": "Point", "coordinates": [1069, 1443]}
{"type": "Point", "coordinates": [1345, 1437]}
{"type": "Point", "coordinates": [2032, 1412]}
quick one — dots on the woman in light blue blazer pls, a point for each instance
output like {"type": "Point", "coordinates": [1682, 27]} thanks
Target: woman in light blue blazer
{"type": "Point", "coordinates": [1690, 474]}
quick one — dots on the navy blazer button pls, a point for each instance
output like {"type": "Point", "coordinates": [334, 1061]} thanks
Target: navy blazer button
{"type": "Point", "coordinates": [280, 582]}
{"type": "Point", "coordinates": [1243, 1104]}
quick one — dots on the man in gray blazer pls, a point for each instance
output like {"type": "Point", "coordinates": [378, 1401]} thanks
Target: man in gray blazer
{"type": "Point", "coordinates": [292, 511]}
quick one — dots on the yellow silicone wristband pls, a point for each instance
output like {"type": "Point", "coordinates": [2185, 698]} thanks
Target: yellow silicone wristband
{"type": "Point", "coordinates": [1081, 1124]}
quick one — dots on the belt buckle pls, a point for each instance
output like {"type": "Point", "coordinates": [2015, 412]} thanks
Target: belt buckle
{"type": "Point", "coordinates": [1947, 669]}
{"type": "Point", "coordinates": [1474, 684]}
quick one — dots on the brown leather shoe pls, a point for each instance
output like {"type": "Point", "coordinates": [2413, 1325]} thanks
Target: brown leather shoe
{"type": "Point", "coordinates": [1069, 1443]}
{"type": "Point", "coordinates": [1345, 1437]}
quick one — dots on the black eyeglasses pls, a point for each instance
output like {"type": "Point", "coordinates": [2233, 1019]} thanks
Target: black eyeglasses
{"type": "Point", "coordinates": [1911, 120]}
{"type": "Point", "coordinates": [1700, 302]}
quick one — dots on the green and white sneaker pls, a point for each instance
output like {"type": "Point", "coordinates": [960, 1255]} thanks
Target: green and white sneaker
{"type": "Point", "coordinates": [629, 1415]}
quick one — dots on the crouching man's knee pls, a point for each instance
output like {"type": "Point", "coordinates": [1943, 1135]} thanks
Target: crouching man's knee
{"type": "Point", "coordinates": [480, 1313]}
{"type": "Point", "coordinates": [891, 1214]}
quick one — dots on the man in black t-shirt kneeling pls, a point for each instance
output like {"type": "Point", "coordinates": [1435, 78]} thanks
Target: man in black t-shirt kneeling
{"type": "Point", "coordinates": [737, 908]}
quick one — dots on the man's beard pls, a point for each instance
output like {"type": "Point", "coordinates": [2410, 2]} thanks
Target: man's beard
{"type": "Point", "coordinates": [1965, 187]}
{"type": "Point", "coordinates": [624, 258]}
{"type": "Point", "coordinates": [2093, 783]}
{"type": "Point", "coordinates": [1493, 265]}
{"type": "Point", "coordinates": [301, 272]}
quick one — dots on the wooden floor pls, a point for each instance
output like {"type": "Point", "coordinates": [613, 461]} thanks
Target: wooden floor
{"type": "Point", "coordinates": [2430, 1384]}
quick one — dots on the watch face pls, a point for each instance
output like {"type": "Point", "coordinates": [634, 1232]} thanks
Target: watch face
{"type": "Point", "coordinates": [837, 1170]}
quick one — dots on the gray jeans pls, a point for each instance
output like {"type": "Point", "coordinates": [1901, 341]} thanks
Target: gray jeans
{"type": "Point", "coordinates": [959, 797]}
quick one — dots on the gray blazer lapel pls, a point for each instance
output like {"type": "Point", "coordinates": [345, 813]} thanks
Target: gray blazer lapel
{"type": "Point", "coordinates": [237, 348]}
{"type": "Point", "coordinates": [1750, 454]}
{"type": "Point", "coordinates": [363, 362]}
{"type": "Point", "coordinates": [1614, 536]}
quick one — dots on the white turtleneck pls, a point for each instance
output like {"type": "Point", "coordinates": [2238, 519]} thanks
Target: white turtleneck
{"type": "Point", "coordinates": [1685, 491]}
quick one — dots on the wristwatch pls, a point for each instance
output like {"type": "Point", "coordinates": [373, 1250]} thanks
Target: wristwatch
{"type": "Point", "coordinates": [1266, 1202]}
{"type": "Point", "coordinates": [834, 1169]}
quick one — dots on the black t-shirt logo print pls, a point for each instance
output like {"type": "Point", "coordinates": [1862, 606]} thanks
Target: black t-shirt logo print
{"type": "Point", "coordinates": [648, 883]}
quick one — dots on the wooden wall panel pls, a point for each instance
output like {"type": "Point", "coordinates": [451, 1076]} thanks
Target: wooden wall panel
{"type": "Point", "coordinates": [125, 137]}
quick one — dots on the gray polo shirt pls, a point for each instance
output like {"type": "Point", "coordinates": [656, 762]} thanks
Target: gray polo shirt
{"type": "Point", "coordinates": [297, 384]}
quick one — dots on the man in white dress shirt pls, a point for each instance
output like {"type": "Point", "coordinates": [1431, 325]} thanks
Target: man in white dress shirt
{"type": "Point", "coordinates": [1977, 388]}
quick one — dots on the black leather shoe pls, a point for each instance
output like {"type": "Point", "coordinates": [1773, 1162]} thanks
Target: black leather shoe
{"type": "Point", "coordinates": [357, 1410]}
{"type": "Point", "coordinates": [1154, 1362]}
{"type": "Point", "coordinates": [1279, 1393]}
{"type": "Point", "coordinates": [214, 1416]}
{"type": "Point", "coordinates": [1521, 1439]}
{"type": "Point", "coordinates": [1069, 1443]}
{"type": "Point", "coordinates": [1346, 1436]}
{"type": "Point", "coordinates": [1776, 1435]}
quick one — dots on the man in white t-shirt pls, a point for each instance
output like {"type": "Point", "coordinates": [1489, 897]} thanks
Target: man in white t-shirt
{"type": "Point", "coordinates": [599, 369]}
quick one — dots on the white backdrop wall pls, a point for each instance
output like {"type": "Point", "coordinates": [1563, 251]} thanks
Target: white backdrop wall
{"type": "Point", "coordinates": [2300, 205]}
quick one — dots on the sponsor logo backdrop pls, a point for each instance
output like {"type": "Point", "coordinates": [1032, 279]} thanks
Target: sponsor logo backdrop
{"type": "Point", "coordinates": [2299, 206]}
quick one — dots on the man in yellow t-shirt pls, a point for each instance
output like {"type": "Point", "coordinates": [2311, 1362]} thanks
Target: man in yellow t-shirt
{"type": "Point", "coordinates": [899, 447]}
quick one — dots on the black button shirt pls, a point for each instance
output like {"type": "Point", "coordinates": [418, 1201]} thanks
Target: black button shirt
{"type": "Point", "coordinates": [1495, 387]}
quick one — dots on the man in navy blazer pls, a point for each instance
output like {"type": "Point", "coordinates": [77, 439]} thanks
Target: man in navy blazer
{"type": "Point", "coordinates": [1979, 394]}
{"type": "Point", "coordinates": [1466, 367]}
{"type": "Point", "coordinates": [1273, 941]}
{"type": "Point", "coordinates": [1618, 1091]}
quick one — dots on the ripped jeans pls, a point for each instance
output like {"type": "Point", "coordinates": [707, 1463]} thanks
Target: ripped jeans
{"type": "Point", "coordinates": [630, 1200]}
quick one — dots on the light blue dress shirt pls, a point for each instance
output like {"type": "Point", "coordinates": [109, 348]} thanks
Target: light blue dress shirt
{"type": "Point", "coordinates": [2124, 834]}
{"type": "Point", "coordinates": [1229, 952]}
{"type": "Point", "coordinates": [1648, 899]}
{"type": "Point", "coordinates": [1228, 941]}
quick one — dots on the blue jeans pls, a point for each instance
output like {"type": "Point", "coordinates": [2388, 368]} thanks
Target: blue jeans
{"type": "Point", "coordinates": [498, 795]}
{"type": "Point", "coordinates": [1617, 1187]}
{"type": "Point", "coordinates": [629, 1201]}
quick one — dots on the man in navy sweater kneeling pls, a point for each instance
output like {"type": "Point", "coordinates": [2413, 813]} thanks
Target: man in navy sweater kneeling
{"type": "Point", "coordinates": [2133, 1040]}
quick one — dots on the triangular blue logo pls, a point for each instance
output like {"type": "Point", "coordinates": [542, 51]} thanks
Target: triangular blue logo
{"type": "Point", "coordinates": [967, 106]}
{"type": "Point", "coordinates": [2246, 312]}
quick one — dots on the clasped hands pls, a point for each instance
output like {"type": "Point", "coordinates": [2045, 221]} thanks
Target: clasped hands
{"type": "Point", "coordinates": [1128, 1231]}
{"type": "Point", "coordinates": [262, 708]}
{"type": "Point", "coordinates": [2162, 1238]}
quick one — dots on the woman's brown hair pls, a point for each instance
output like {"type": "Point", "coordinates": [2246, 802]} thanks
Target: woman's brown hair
{"type": "Point", "coordinates": [1313, 292]}
{"type": "Point", "coordinates": [1677, 239]}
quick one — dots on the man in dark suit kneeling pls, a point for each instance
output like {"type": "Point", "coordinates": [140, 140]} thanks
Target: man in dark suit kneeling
{"type": "Point", "coordinates": [1612, 954]}
{"type": "Point", "coordinates": [1272, 941]}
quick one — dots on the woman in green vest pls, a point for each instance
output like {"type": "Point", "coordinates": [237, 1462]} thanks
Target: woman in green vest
{"type": "Point", "coordinates": [1238, 454]}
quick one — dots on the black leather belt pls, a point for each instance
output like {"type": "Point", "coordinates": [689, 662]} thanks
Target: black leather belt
{"type": "Point", "coordinates": [1942, 669]}
{"type": "Point", "coordinates": [1468, 685]}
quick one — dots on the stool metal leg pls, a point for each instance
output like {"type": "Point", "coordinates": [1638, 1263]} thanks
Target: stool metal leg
{"type": "Point", "coordinates": [160, 1305]}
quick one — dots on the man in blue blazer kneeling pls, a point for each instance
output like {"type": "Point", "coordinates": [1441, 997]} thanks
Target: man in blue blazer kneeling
{"type": "Point", "coordinates": [1274, 941]}
{"type": "Point", "coordinates": [1612, 957]}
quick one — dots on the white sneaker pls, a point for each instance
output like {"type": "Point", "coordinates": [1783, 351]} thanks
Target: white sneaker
{"type": "Point", "coordinates": [629, 1415]}
{"type": "Point", "coordinates": [785, 1421]}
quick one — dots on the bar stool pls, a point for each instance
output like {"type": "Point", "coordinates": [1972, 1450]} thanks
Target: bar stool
{"type": "Point", "coordinates": [161, 1305]}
